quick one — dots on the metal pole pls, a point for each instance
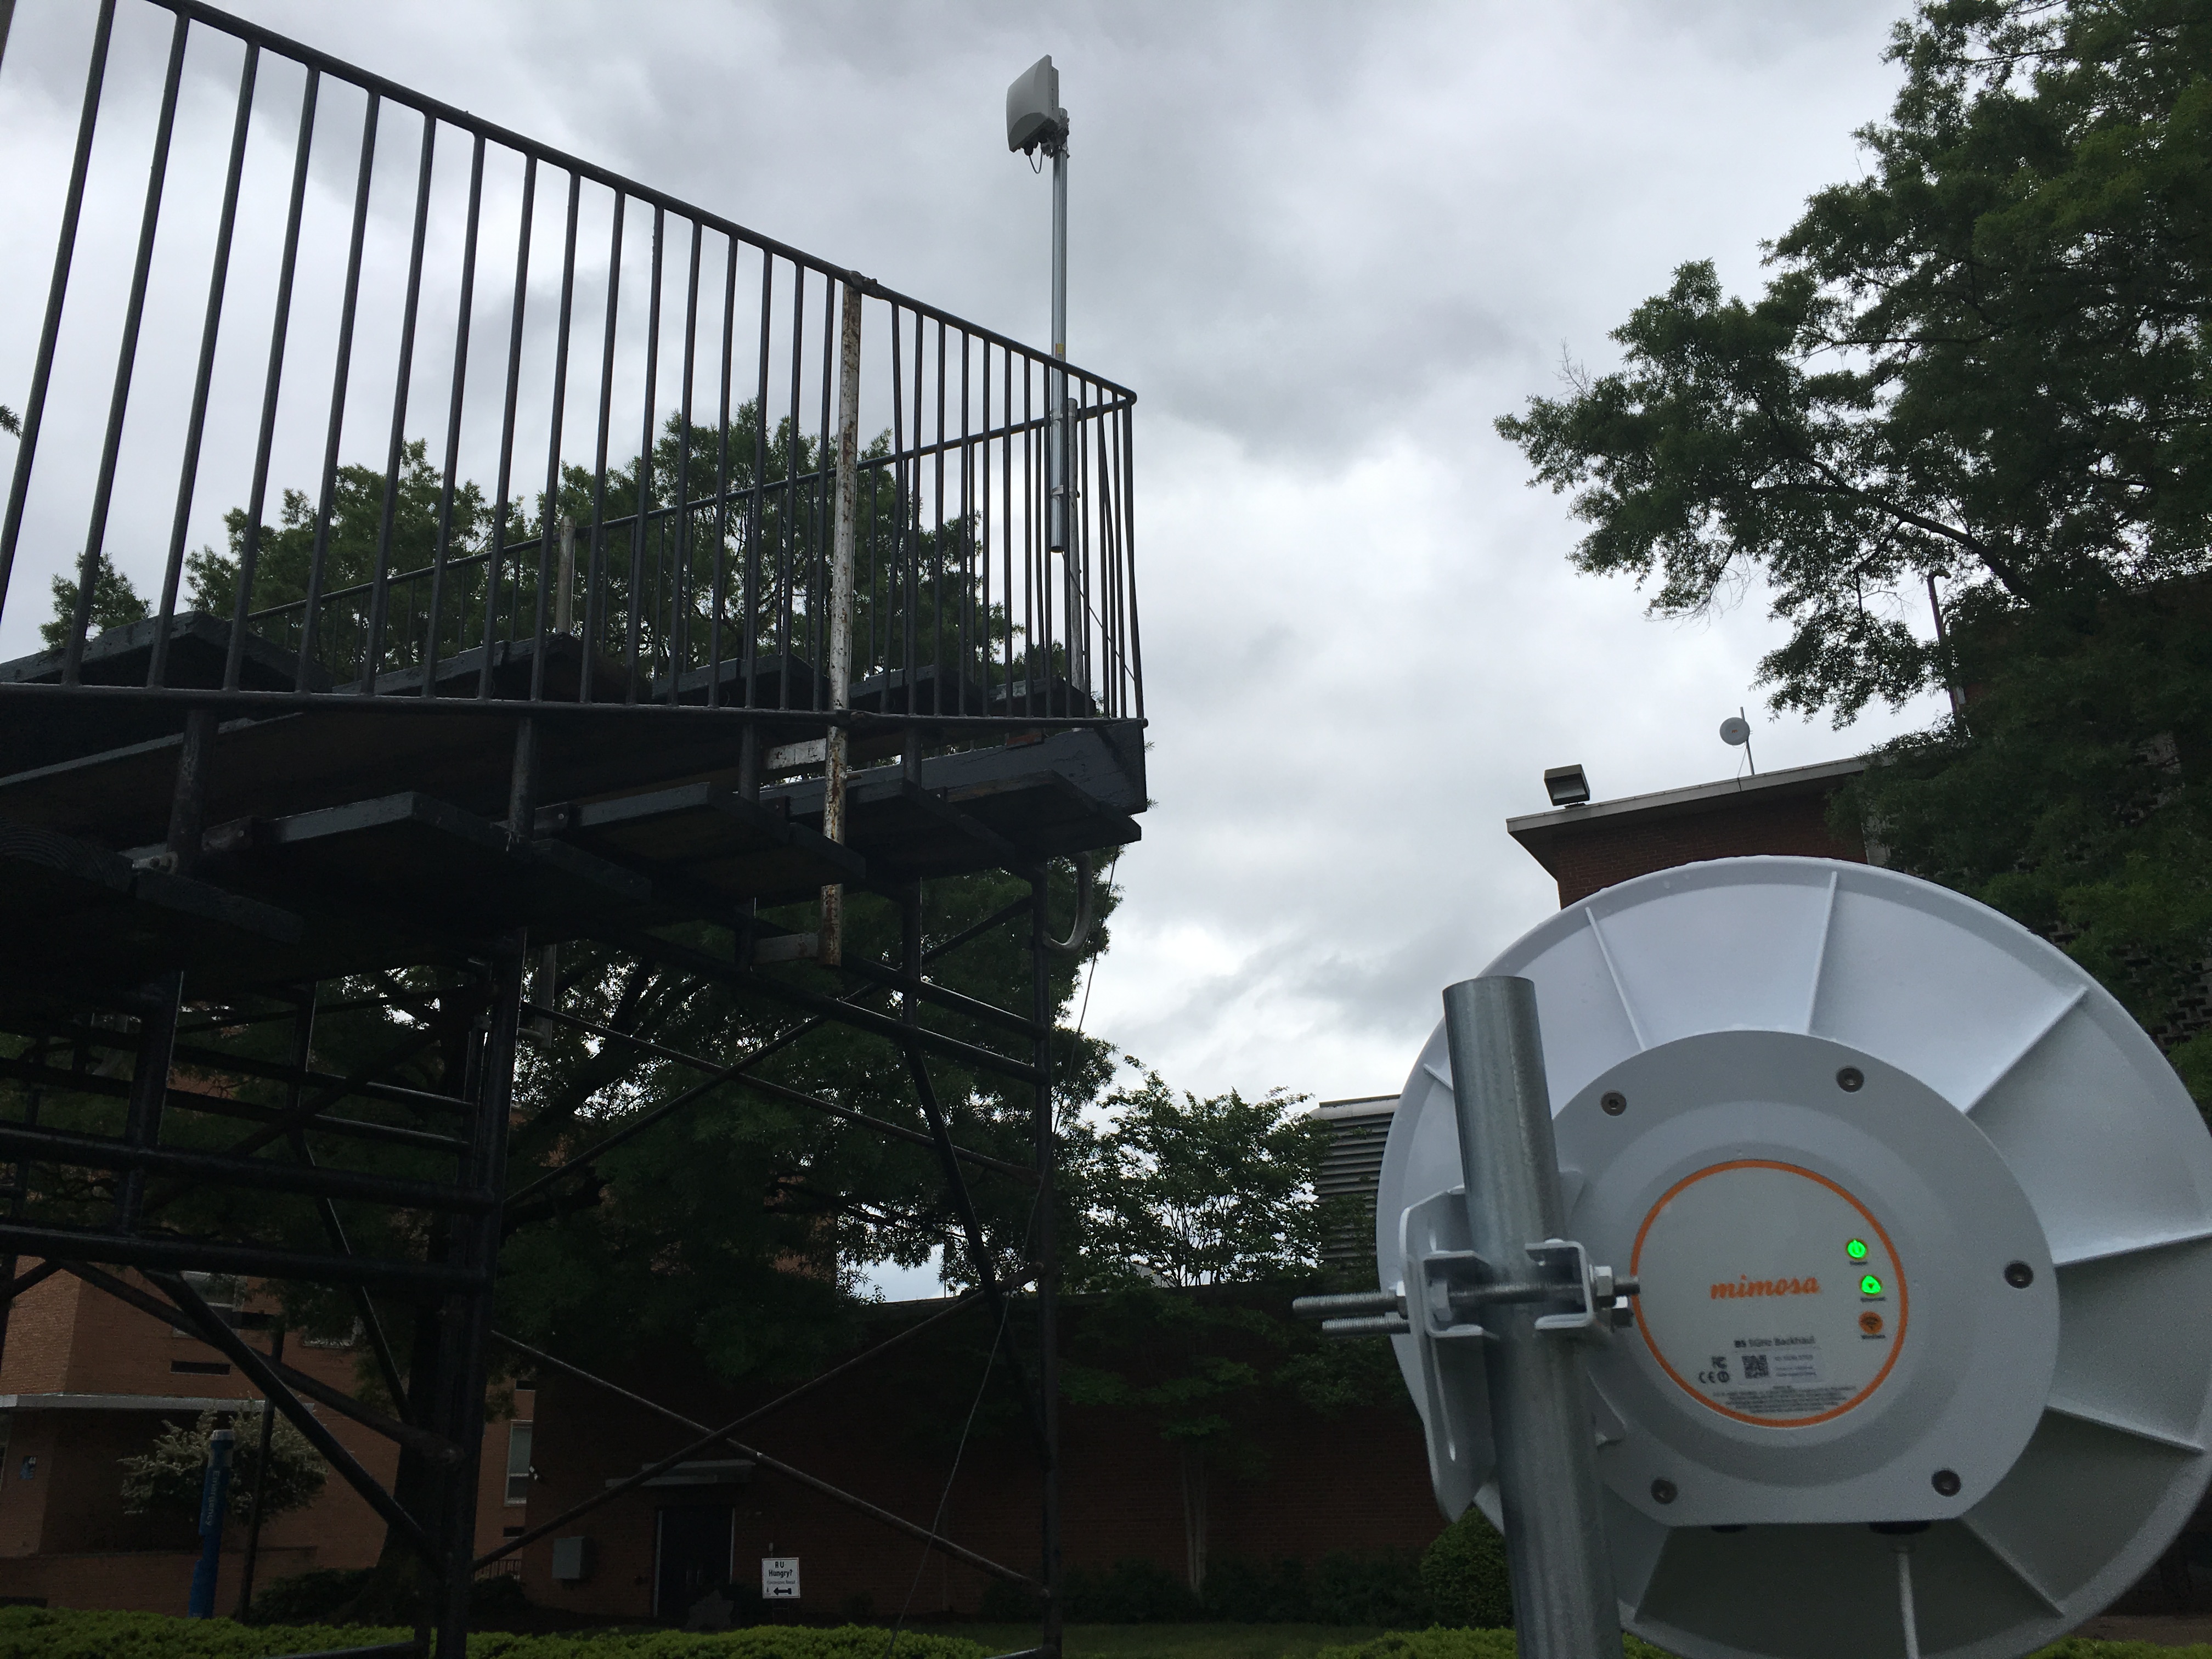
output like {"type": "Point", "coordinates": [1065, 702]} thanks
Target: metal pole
{"type": "Point", "coordinates": [1563, 1606]}
{"type": "Point", "coordinates": [1059, 436]}
{"type": "Point", "coordinates": [215, 1500]}
{"type": "Point", "coordinates": [1044, 1131]}
{"type": "Point", "coordinates": [830, 942]}
{"type": "Point", "coordinates": [1056, 394]}
{"type": "Point", "coordinates": [260, 1485]}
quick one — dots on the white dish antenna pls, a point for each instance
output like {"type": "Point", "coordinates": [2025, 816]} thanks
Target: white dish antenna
{"type": "Point", "coordinates": [1736, 731]}
{"type": "Point", "coordinates": [1922, 1224]}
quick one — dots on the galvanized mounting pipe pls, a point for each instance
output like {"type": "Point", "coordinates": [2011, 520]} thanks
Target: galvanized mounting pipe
{"type": "Point", "coordinates": [1056, 483]}
{"type": "Point", "coordinates": [1555, 1546]}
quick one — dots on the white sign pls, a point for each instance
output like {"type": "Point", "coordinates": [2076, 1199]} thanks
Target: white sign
{"type": "Point", "coordinates": [779, 1578]}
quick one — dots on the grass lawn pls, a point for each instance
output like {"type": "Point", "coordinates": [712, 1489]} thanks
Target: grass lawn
{"type": "Point", "coordinates": [1170, 1641]}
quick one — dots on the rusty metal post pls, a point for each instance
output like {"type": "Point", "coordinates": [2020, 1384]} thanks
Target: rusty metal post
{"type": "Point", "coordinates": [831, 937]}
{"type": "Point", "coordinates": [564, 603]}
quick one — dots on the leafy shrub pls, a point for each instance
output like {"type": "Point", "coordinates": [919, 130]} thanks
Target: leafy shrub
{"type": "Point", "coordinates": [1429, 1645]}
{"type": "Point", "coordinates": [1499, 1645]}
{"type": "Point", "coordinates": [1339, 1589]}
{"type": "Point", "coordinates": [1130, 1593]}
{"type": "Point", "coordinates": [1386, 1589]}
{"type": "Point", "coordinates": [43, 1633]}
{"type": "Point", "coordinates": [1464, 1574]}
{"type": "Point", "coordinates": [54, 1633]}
{"type": "Point", "coordinates": [308, 1598]}
{"type": "Point", "coordinates": [167, 1479]}
{"type": "Point", "coordinates": [1010, 1604]}
{"type": "Point", "coordinates": [1256, 1593]}
{"type": "Point", "coordinates": [500, 1597]}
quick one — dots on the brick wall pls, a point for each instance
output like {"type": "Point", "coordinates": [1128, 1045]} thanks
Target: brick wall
{"type": "Point", "coordinates": [1606, 850]}
{"type": "Point", "coordinates": [63, 1534]}
{"type": "Point", "coordinates": [1310, 1485]}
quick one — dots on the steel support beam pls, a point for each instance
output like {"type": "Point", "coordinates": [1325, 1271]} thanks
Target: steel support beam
{"type": "Point", "coordinates": [154, 1252]}
{"type": "Point", "coordinates": [101, 1153]}
{"type": "Point", "coordinates": [476, 1241]}
{"type": "Point", "coordinates": [737, 1074]}
{"type": "Point", "coordinates": [187, 1304]}
{"type": "Point", "coordinates": [710, 1437]}
{"type": "Point", "coordinates": [702, 965]}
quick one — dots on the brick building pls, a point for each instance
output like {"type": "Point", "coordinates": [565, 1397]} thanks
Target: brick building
{"type": "Point", "coordinates": [1301, 1484]}
{"type": "Point", "coordinates": [87, 1380]}
{"type": "Point", "coordinates": [1593, 845]}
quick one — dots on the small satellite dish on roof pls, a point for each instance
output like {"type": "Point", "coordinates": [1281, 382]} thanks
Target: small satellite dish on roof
{"type": "Point", "coordinates": [1916, 1223]}
{"type": "Point", "coordinates": [1736, 731]}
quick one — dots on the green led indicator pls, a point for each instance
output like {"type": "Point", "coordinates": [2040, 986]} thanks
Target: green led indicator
{"type": "Point", "coordinates": [1856, 1249]}
{"type": "Point", "coordinates": [1869, 1285]}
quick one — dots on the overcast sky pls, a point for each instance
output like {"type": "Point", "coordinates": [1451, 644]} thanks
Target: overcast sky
{"type": "Point", "coordinates": [1326, 244]}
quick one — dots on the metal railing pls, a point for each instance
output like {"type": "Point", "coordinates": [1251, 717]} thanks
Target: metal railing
{"type": "Point", "coordinates": [408, 406]}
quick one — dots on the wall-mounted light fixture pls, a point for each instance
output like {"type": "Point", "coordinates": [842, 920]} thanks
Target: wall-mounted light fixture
{"type": "Point", "coordinates": [1567, 786]}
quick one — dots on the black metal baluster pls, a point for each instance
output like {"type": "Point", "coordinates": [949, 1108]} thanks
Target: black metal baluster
{"type": "Point", "coordinates": [35, 406]}
{"type": "Point", "coordinates": [759, 488]}
{"type": "Point", "coordinates": [825, 472]}
{"type": "Point", "coordinates": [593, 619]}
{"type": "Point", "coordinates": [456, 400]}
{"type": "Point", "coordinates": [499, 509]}
{"type": "Point", "coordinates": [249, 552]}
{"type": "Point", "coordinates": [395, 457]}
{"type": "Point", "coordinates": [785, 644]}
{"type": "Point", "coordinates": [910, 635]}
{"type": "Point", "coordinates": [549, 511]}
{"type": "Point", "coordinates": [967, 541]}
{"type": "Point", "coordinates": [126, 358]}
{"type": "Point", "coordinates": [1006, 514]}
{"type": "Point", "coordinates": [1129, 523]}
{"type": "Point", "coordinates": [722, 474]}
{"type": "Point", "coordinates": [899, 463]}
{"type": "Point", "coordinates": [680, 635]}
{"type": "Point", "coordinates": [327, 502]}
{"type": "Point", "coordinates": [644, 464]}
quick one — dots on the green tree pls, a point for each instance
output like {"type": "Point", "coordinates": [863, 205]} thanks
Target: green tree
{"type": "Point", "coordinates": [1187, 1205]}
{"type": "Point", "coordinates": [1983, 365]}
{"type": "Point", "coordinates": [1211, 1191]}
{"type": "Point", "coordinates": [115, 604]}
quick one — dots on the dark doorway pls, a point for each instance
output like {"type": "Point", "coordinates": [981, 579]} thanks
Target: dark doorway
{"type": "Point", "coordinates": [692, 1546]}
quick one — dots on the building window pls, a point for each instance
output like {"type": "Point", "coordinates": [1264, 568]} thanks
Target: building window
{"type": "Point", "coordinates": [199, 1368]}
{"type": "Point", "coordinates": [349, 1338]}
{"type": "Point", "coordinates": [224, 1293]}
{"type": "Point", "coordinates": [517, 1462]}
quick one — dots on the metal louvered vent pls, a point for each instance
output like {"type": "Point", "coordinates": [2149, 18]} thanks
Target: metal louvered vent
{"type": "Point", "coordinates": [1359, 1131]}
